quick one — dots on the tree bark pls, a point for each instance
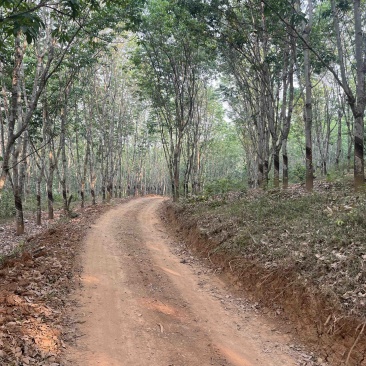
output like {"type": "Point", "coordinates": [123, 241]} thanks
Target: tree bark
{"type": "Point", "coordinates": [339, 139]}
{"type": "Point", "coordinates": [356, 102]}
{"type": "Point", "coordinates": [358, 108]}
{"type": "Point", "coordinates": [17, 191]}
{"type": "Point", "coordinates": [308, 113]}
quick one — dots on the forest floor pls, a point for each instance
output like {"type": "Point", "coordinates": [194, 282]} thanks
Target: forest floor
{"type": "Point", "coordinates": [38, 271]}
{"type": "Point", "coordinates": [144, 297]}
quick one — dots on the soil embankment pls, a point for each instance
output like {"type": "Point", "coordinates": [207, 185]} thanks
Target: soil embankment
{"type": "Point", "coordinates": [313, 316]}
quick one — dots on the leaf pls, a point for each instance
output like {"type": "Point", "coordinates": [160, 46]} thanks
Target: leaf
{"type": "Point", "coordinates": [29, 37]}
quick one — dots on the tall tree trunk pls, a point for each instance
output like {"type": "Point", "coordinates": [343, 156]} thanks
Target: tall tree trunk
{"type": "Point", "coordinates": [176, 167]}
{"type": "Point", "coordinates": [92, 175]}
{"type": "Point", "coordinates": [19, 168]}
{"type": "Point", "coordinates": [356, 102]}
{"type": "Point", "coordinates": [308, 113]}
{"type": "Point", "coordinates": [39, 203]}
{"type": "Point", "coordinates": [83, 177]}
{"type": "Point", "coordinates": [289, 102]}
{"type": "Point", "coordinates": [22, 175]}
{"type": "Point", "coordinates": [14, 110]}
{"type": "Point", "coordinates": [339, 140]}
{"type": "Point", "coordinates": [359, 108]}
{"type": "Point", "coordinates": [17, 191]}
{"type": "Point", "coordinates": [63, 158]}
{"type": "Point", "coordinates": [41, 165]}
{"type": "Point", "coordinates": [51, 172]}
{"type": "Point", "coordinates": [276, 167]}
{"type": "Point", "coordinates": [284, 164]}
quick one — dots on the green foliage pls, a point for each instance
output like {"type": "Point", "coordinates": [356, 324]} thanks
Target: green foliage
{"type": "Point", "coordinates": [223, 185]}
{"type": "Point", "coordinates": [25, 17]}
{"type": "Point", "coordinates": [298, 173]}
{"type": "Point", "coordinates": [7, 208]}
{"type": "Point", "coordinates": [337, 175]}
{"type": "Point", "coordinates": [344, 5]}
{"type": "Point", "coordinates": [21, 17]}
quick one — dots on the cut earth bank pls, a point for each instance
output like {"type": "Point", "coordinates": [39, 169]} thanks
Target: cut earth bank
{"type": "Point", "coordinates": [284, 290]}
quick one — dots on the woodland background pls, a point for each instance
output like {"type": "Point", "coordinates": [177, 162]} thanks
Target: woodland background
{"type": "Point", "coordinates": [115, 98]}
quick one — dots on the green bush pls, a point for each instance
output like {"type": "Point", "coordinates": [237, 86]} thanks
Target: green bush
{"type": "Point", "coordinates": [222, 186]}
{"type": "Point", "coordinates": [7, 208]}
{"type": "Point", "coordinates": [298, 173]}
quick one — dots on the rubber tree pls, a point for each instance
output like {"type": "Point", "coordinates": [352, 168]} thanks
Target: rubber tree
{"type": "Point", "coordinates": [258, 59]}
{"type": "Point", "coordinates": [343, 17]}
{"type": "Point", "coordinates": [355, 98]}
{"type": "Point", "coordinates": [171, 60]}
{"type": "Point", "coordinates": [308, 111]}
{"type": "Point", "coordinates": [20, 26]}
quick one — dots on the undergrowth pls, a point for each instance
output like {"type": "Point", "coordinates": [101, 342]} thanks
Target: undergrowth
{"type": "Point", "coordinates": [320, 235]}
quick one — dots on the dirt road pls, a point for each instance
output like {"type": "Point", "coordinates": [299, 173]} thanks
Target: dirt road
{"type": "Point", "coordinates": [143, 305]}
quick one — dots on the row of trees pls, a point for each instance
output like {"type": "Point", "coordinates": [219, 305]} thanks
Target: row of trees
{"type": "Point", "coordinates": [281, 57]}
{"type": "Point", "coordinates": [173, 73]}
{"type": "Point", "coordinates": [320, 46]}
{"type": "Point", "coordinates": [281, 65]}
{"type": "Point", "coordinates": [67, 115]}
{"type": "Point", "coordinates": [74, 120]}
{"type": "Point", "coordinates": [127, 96]}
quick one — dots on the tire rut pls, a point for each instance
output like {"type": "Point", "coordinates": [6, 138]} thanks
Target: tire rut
{"type": "Point", "coordinates": [140, 306]}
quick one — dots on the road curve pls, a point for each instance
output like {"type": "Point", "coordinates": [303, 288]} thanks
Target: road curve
{"type": "Point", "coordinates": [140, 306]}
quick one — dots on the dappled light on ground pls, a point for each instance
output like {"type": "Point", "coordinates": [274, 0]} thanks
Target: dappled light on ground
{"type": "Point", "coordinates": [170, 271]}
{"type": "Point", "coordinates": [234, 357]}
{"type": "Point", "coordinates": [157, 305]}
{"type": "Point", "coordinates": [90, 280]}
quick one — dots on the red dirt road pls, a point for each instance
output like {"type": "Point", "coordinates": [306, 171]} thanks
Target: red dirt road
{"type": "Point", "coordinates": [141, 306]}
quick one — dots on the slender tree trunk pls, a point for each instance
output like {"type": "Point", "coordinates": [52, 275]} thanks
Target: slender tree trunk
{"type": "Point", "coordinates": [50, 199]}
{"type": "Point", "coordinates": [63, 157]}
{"type": "Point", "coordinates": [51, 172]}
{"type": "Point", "coordinates": [83, 177]}
{"type": "Point", "coordinates": [349, 138]}
{"type": "Point", "coordinates": [308, 103]}
{"type": "Point", "coordinates": [92, 175]}
{"type": "Point", "coordinates": [284, 164]}
{"type": "Point", "coordinates": [17, 192]}
{"type": "Point", "coordinates": [276, 167]}
{"type": "Point", "coordinates": [41, 165]}
{"type": "Point", "coordinates": [289, 101]}
{"type": "Point", "coordinates": [176, 168]}
{"type": "Point", "coordinates": [18, 182]}
{"type": "Point", "coordinates": [14, 110]}
{"type": "Point", "coordinates": [356, 102]}
{"type": "Point", "coordinates": [39, 203]}
{"type": "Point", "coordinates": [19, 209]}
{"type": "Point", "coordinates": [63, 174]}
{"type": "Point", "coordinates": [13, 121]}
{"type": "Point", "coordinates": [339, 140]}
{"type": "Point", "coordinates": [20, 186]}
{"type": "Point", "coordinates": [359, 109]}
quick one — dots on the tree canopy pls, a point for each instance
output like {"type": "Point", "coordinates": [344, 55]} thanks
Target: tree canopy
{"type": "Point", "coordinates": [133, 97]}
